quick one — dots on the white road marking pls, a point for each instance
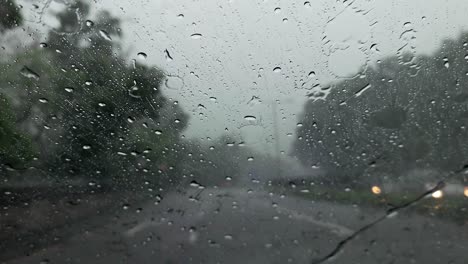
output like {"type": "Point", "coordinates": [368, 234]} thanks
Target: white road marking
{"type": "Point", "coordinates": [334, 228]}
{"type": "Point", "coordinates": [140, 227]}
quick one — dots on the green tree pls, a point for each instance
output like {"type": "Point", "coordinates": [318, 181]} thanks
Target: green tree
{"type": "Point", "coordinates": [15, 147]}
{"type": "Point", "coordinates": [10, 16]}
{"type": "Point", "coordinates": [403, 113]}
{"type": "Point", "coordinates": [92, 113]}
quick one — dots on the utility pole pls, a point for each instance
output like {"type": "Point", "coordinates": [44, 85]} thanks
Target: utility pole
{"type": "Point", "coordinates": [277, 142]}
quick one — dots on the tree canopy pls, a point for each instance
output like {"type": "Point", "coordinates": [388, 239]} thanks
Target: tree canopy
{"type": "Point", "coordinates": [404, 112]}
{"type": "Point", "coordinates": [91, 113]}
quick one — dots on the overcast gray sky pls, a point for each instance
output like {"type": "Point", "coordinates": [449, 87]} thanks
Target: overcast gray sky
{"type": "Point", "coordinates": [224, 52]}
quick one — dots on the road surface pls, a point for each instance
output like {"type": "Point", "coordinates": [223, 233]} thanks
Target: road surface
{"type": "Point", "coordinates": [236, 225]}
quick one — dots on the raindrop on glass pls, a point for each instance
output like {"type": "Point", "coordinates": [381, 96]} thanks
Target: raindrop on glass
{"type": "Point", "coordinates": [105, 35]}
{"type": "Point", "coordinates": [277, 69]}
{"type": "Point", "coordinates": [69, 89]}
{"type": "Point", "coordinates": [142, 55]}
{"type": "Point", "coordinates": [89, 23]}
{"type": "Point", "coordinates": [28, 73]}
{"type": "Point", "coordinates": [168, 55]}
{"type": "Point", "coordinates": [196, 36]}
{"type": "Point", "coordinates": [194, 184]}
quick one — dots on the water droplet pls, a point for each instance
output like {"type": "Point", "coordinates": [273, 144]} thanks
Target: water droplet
{"type": "Point", "coordinates": [228, 237]}
{"type": "Point", "coordinates": [101, 104]}
{"type": "Point", "coordinates": [174, 82]}
{"type": "Point", "coordinates": [43, 45]}
{"type": "Point", "coordinates": [168, 55]}
{"type": "Point", "coordinates": [195, 184]}
{"type": "Point", "coordinates": [86, 147]}
{"type": "Point", "coordinates": [69, 89]}
{"type": "Point", "coordinates": [92, 183]}
{"type": "Point", "coordinates": [285, 20]}
{"type": "Point", "coordinates": [89, 23]}
{"type": "Point", "coordinates": [299, 124]}
{"type": "Point", "coordinates": [196, 36]}
{"type": "Point", "coordinates": [43, 100]}
{"type": "Point", "coordinates": [447, 64]}
{"type": "Point", "coordinates": [28, 73]}
{"type": "Point", "coordinates": [277, 69]}
{"type": "Point", "coordinates": [125, 206]}
{"type": "Point", "coordinates": [158, 132]}
{"type": "Point", "coordinates": [250, 159]}
{"type": "Point", "coordinates": [130, 119]}
{"type": "Point", "coordinates": [133, 91]}
{"type": "Point", "coordinates": [88, 83]}
{"type": "Point", "coordinates": [362, 90]}
{"type": "Point", "coordinates": [307, 4]}
{"type": "Point", "coordinates": [142, 55]}
{"type": "Point", "coordinates": [105, 35]}
{"type": "Point", "coordinates": [228, 178]}
{"type": "Point", "coordinates": [250, 118]}
{"type": "Point", "coordinates": [180, 15]}
{"type": "Point", "coordinates": [277, 10]}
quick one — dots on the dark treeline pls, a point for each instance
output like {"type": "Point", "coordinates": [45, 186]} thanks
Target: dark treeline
{"type": "Point", "coordinates": [73, 108]}
{"type": "Point", "coordinates": [406, 113]}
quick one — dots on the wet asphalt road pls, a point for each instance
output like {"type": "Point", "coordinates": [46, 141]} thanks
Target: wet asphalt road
{"type": "Point", "coordinates": [236, 225]}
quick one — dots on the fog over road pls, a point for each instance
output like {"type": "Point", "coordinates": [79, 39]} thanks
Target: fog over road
{"type": "Point", "coordinates": [236, 225]}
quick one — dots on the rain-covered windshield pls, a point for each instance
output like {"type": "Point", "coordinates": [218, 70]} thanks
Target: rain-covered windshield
{"type": "Point", "coordinates": [267, 131]}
